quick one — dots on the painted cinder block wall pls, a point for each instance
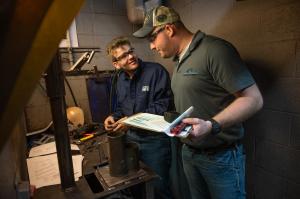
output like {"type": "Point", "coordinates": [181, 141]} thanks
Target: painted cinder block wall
{"type": "Point", "coordinates": [267, 35]}
{"type": "Point", "coordinates": [97, 23]}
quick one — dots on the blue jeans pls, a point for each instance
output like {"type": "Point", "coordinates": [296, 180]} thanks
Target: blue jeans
{"type": "Point", "coordinates": [179, 185]}
{"type": "Point", "coordinates": [155, 152]}
{"type": "Point", "coordinates": [217, 176]}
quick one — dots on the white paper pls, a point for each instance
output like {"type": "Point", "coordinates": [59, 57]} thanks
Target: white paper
{"type": "Point", "coordinates": [148, 121]}
{"type": "Point", "coordinates": [47, 149]}
{"type": "Point", "coordinates": [43, 170]}
{"type": "Point", "coordinates": [157, 123]}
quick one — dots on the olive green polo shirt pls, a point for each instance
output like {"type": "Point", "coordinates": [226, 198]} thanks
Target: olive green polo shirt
{"type": "Point", "coordinates": [207, 77]}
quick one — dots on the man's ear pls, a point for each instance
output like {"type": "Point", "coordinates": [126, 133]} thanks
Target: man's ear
{"type": "Point", "coordinates": [116, 65]}
{"type": "Point", "coordinates": [170, 30]}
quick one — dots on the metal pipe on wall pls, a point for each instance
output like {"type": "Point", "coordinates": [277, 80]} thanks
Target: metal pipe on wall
{"type": "Point", "coordinates": [56, 93]}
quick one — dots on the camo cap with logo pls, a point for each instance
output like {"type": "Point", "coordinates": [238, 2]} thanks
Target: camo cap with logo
{"type": "Point", "coordinates": [156, 17]}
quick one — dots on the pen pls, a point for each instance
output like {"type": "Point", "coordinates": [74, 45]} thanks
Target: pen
{"type": "Point", "coordinates": [86, 137]}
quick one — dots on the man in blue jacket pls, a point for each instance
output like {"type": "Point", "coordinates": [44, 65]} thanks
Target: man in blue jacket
{"type": "Point", "coordinates": [142, 87]}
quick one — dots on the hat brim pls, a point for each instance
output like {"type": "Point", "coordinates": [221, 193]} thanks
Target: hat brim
{"type": "Point", "coordinates": [143, 32]}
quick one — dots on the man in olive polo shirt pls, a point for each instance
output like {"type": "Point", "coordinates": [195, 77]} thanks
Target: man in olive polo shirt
{"type": "Point", "coordinates": [210, 76]}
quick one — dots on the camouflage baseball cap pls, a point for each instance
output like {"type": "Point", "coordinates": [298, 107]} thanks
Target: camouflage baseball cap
{"type": "Point", "coordinates": [156, 17]}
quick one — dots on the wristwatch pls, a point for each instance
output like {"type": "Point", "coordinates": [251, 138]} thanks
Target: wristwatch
{"type": "Point", "coordinates": [215, 127]}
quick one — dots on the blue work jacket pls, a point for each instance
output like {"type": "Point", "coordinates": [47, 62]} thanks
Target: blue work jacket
{"type": "Point", "coordinates": [149, 91]}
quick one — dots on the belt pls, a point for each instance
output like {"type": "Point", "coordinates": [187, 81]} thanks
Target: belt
{"type": "Point", "coordinates": [213, 150]}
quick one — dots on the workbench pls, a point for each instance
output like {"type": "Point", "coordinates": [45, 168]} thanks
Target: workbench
{"type": "Point", "coordinates": [96, 173]}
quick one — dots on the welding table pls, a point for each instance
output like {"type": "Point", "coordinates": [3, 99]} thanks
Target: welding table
{"type": "Point", "coordinates": [95, 160]}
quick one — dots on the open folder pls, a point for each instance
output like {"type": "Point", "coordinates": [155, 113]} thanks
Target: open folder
{"type": "Point", "coordinates": [157, 123]}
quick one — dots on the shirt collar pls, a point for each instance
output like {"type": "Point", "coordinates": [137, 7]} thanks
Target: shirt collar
{"type": "Point", "coordinates": [180, 56]}
{"type": "Point", "coordinates": [194, 43]}
{"type": "Point", "coordinates": [136, 73]}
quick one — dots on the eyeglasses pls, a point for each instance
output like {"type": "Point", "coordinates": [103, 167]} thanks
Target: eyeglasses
{"type": "Point", "coordinates": [152, 37]}
{"type": "Point", "coordinates": [124, 55]}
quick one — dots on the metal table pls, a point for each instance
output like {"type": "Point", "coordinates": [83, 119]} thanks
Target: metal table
{"type": "Point", "coordinates": [95, 173]}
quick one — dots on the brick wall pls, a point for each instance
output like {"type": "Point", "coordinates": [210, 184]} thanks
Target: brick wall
{"type": "Point", "coordinates": [99, 21]}
{"type": "Point", "coordinates": [267, 35]}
